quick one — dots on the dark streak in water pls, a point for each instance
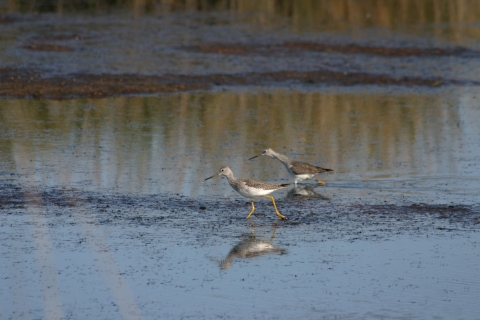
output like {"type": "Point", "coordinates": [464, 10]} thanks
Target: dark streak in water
{"type": "Point", "coordinates": [288, 47]}
{"type": "Point", "coordinates": [24, 83]}
{"type": "Point", "coordinates": [47, 47]}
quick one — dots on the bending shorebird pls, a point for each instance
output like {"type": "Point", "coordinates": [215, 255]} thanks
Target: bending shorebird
{"type": "Point", "coordinates": [298, 170]}
{"type": "Point", "coordinates": [252, 189]}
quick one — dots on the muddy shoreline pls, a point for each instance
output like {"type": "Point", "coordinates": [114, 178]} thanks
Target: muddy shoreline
{"type": "Point", "coordinates": [337, 220]}
{"type": "Point", "coordinates": [33, 83]}
{"type": "Point", "coordinates": [24, 83]}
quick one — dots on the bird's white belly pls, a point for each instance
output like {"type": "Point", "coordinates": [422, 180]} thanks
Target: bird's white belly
{"type": "Point", "coordinates": [249, 192]}
{"type": "Point", "coordinates": [299, 177]}
{"type": "Point", "coordinates": [306, 176]}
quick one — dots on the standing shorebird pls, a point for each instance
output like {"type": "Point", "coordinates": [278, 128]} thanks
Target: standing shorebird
{"type": "Point", "coordinates": [298, 170]}
{"type": "Point", "coordinates": [252, 189]}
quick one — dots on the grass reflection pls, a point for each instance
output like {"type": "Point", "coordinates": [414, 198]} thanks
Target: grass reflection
{"type": "Point", "coordinates": [302, 14]}
{"type": "Point", "coordinates": [163, 144]}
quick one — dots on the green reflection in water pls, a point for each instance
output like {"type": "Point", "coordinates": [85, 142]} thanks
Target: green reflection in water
{"type": "Point", "coordinates": [170, 143]}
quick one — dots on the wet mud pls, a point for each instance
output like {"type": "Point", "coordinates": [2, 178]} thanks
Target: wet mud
{"type": "Point", "coordinates": [292, 47]}
{"type": "Point", "coordinates": [7, 19]}
{"type": "Point", "coordinates": [336, 221]}
{"type": "Point", "coordinates": [59, 58]}
{"type": "Point", "coordinates": [25, 83]}
{"type": "Point", "coordinates": [28, 83]}
{"type": "Point", "coordinates": [48, 47]}
{"type": "Point", "coordinates": [48, 42]}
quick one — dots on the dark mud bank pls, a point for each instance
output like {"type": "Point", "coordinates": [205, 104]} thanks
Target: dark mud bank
{"type": "Point", "coordinates": [295, 46]}
{"type": "Point", "coordinates": [16, 83]}
{"type": "Point", "coordinates": [30, 83]}
{"type": "Point", "coordinates": [346, 221]}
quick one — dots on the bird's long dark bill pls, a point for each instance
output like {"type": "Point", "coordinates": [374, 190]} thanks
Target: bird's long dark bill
{"type": "Point", "coordinates": [254, 157]}
{"type": "Point", "coordinates": [216, 174]}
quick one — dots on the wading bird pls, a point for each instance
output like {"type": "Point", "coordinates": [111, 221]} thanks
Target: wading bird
{"type": "Point", "coordinates": [252, 189]}
{"type": "Point", "coordinates": [298, 170]}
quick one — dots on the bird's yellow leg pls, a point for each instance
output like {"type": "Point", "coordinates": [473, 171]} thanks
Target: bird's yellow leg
{"type": "Point", "coordinates": [320, 181]}
{"type": "Point", "coordinates": [275, 206]}
{"type": "Point", "coordinates": [253, 209]}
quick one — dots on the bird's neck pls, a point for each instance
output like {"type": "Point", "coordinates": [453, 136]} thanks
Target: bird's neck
{"type": "Point", "coordinates": [281, 158]}
{"type": "Point", "coordinates": [231, 178]}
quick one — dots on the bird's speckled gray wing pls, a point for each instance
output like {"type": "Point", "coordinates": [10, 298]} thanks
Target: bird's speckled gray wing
{"type": "Point", "coordinates": [298, 167]}
{"type": "Point", "coordinates": [261, 185]}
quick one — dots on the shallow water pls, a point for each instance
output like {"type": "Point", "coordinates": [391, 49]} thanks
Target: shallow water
{"type": "Point", "coordinates": [104, 211]}
{"type": "Point", "coordinates": [94, 240]}
{"type": "Point", "coordinates": [126, 270]}
{"type": "Point", "coordinates": [393, 147]}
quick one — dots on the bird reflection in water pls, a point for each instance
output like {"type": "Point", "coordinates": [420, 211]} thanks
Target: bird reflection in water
{"type": "Point", "coordinates": [251, 247]}
{"type": "Point", "coordinates": [305, 191]}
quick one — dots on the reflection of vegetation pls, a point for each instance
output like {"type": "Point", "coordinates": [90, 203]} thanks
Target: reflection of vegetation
{"type": "Point", "coordinates": [174, 138]}
{"type": "Point", "coordinates": [320, 14]}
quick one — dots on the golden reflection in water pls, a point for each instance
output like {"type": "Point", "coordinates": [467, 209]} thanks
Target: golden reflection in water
{"type": "Point", "coordinates": [167, 143]}
{"type": "Point", "coordinates": [320, 15]}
